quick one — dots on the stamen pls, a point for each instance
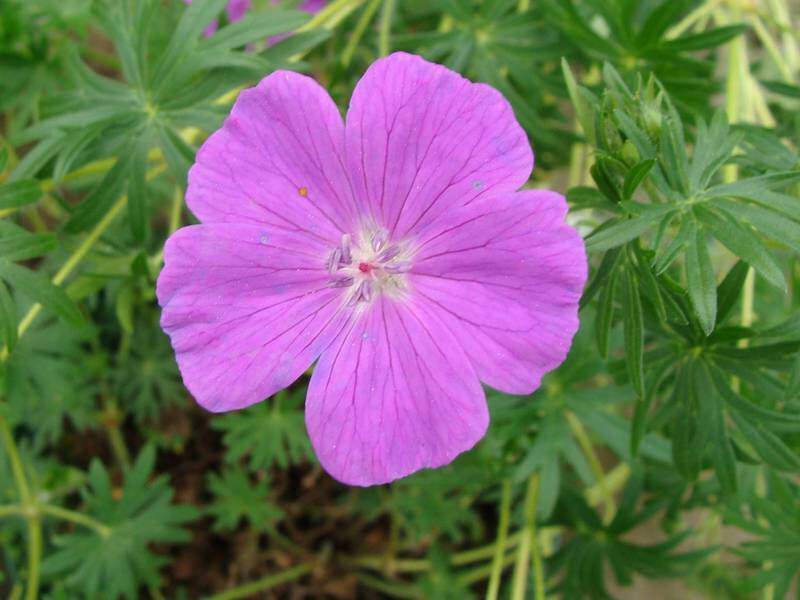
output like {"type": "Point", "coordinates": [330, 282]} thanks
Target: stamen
{"type": "Point", "coordinates": [379, 239]}
{"type": "Point", "coordinates": [340, 281]}
{"type": "Point", "coordinates": [398, 267]}
{"type": "Point", "coordinates": [346, 257]}
{"type": "Point", "coordinates": [333, 260]}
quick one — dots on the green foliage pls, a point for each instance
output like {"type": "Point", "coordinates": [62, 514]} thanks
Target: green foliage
{"type": "Point", "coordinates": [119, 559]}
{"type": "Point", "coordinates": [239, 500]}
{"type": "Point", "coordinates": [267, 433]}
{"type": "Point", "coordinates": [672, 128]}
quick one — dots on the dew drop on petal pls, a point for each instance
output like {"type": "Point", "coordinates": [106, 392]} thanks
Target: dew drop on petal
{"type": "Point", "coordinates": [263, 239]}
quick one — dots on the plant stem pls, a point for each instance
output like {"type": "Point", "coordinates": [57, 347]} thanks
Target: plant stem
{"type": "Point", "coordinates": [34, 556]}
{"type": "Point", "coordinates": [500, 544]}
{"type": "Point", "coordinates": [75, 517]}
{"type": "Point", "coordinates": [693, 17]}
{"type": "Point", "coordinates": [78, 255]}
{"type": "Point", "coordinates": [248, 590]}
{"type": "Point", "coordinates": [358, 32]}
{"type": "Point", "coordinates": [384, 46]}
{"type": "Point", "coordinates": [588, 450]}
{"type": "Point", "coordinates": [528, 539]}
{"type": "Point", "coordinates": [13, 457]}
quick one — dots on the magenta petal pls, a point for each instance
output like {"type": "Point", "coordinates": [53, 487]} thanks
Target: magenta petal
{"type": "Point", "coordinates": [278, 159]}
{"type": "Point", "coordinates": [506, 275]}
{"type": "Point", "coordinates": [394, 393]}
{"type": "Point", "coordinates": [247, 308]}
{"type": "Point", "coordinates": [422, 140]}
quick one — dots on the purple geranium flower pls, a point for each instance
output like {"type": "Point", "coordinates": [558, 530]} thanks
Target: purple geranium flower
{"type": "Point", "coordinates": [394, 247]}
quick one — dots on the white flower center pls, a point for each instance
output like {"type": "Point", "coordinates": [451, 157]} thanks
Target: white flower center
{"type": "Point", "coordinates": [368, 265]}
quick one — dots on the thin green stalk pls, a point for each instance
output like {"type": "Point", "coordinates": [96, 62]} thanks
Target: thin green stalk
{"type": "Point", "coordinates": [389, 588]}
{"type": "Point", "coordinates": [500, 544]}
{"type": "Point", "coordinates": [331, 15]}
{"type": "Point", "coordinates": [384, 45]}
{"type": "Point", "coordinates": [13, 458]}
{"type": "Point", "coordinates": [538, 565]}
{"type": "Point", "coordinates": [693, 17]}
{"type": "Point", "coordinates": [52, 510]}
{"type": "Point", "coordinates": [111, 418]}
{"type": "Point", "coordinates": [772, 48]}
{"type": "Point", "coordinates": [248, 590]}
{"type": "Point", "coordinates": [358, 32]}
{"type": "Point", "coordinates": [75, 517]}
{"type": "Point", "coordinates": [34, 557]}
{"type": "Point", "coordinates": [594, 463]}
{"type": "Point", "coordinates": [480, 573]}
{"type": "Point", "coordinates": [77, 256]}
{"type": "Point", "coordinates": [528, 540]}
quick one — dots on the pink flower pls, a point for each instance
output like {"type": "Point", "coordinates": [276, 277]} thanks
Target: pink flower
{"type": "Point", "coordinates": [394, 247]}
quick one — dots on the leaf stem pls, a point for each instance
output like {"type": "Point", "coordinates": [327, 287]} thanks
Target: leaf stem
{"type": "Point", "coordinates": [384, 46]}
{"type": "Point", "coordinates": [34, 557]}
{"type": "Point", "coordinates": [358, 32]}
{"type": "Point", "coordinates": [528, 540]}
{"type": "Point", "coordinates": [13, 457]}
{"type": "Point", "coordinates": [248, 590]}
{"type": "Point", "coordinates": [500, 544]}
{"type": "Point", "coordinates": [594, 463]}
{"type": "Point", "coordinates": [78, 255]}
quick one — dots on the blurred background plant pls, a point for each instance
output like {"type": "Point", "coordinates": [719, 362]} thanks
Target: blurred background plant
{"type": "Point", "coordinates": [666, 447]}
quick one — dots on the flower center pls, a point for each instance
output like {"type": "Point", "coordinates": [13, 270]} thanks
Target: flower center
{"type": "Point", "coordinates": [368, 265]}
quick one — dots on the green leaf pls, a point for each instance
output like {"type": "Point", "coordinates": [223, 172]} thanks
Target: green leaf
{"type": "Point", "coordinates": [8, 318]}
{"type": "Point", "coordinates": [19, 193]}
{"type": "Point", "coordinates": [793, 386]}
{"type": "Point", "coordinates": [38, 288]}
{"type": "Point", "coordinates": [746, 188]}
{"type": "Point", "coordinates": [94, 207]}
{"type": "Point", "coordinates": [583, 110]}
{"type": "Point", "coordinates": [675, 247]}
{"type": "Point", "coordinates": [767, 445]}
{"type": "Point", "coordinates": [178, 153]}
{"type": "Point", "coordinates": [268, 433]}
{"type": "Point", "coordinates": [604, 271]}
{"type": "Point", "coordinates": [120, 560]}
{"type": "Point", "coordinates": [772, 419]}
{"type": "Point", "coordinates": [772, 224]}
{"type": "Point", "coordinates": [237, 499]}
{"type": "Point", "coordinates": [254, 27]}
{"type": "Point", "coordinates": [634, 331]}
{"type": "Point", "coordinates": [635, 177]}
{"type": "Point", "coordinates": [721, 449]}
{"type": "Point", "coordinates": [618, 231]}
{"type": "Point", "coordinates": [584, 197]}
{"type": "Point", "coordinates": [701, 282]}
{"type": "Point", "coordinates": [17, 244]}
{"type": "Point", "coordinates": [740, 240]}
{"type": "Point", "coordinates": [688, 441]}
{"type": "Point", "coordinates": [605, 312]}
{"type": "Point", "coordinates": [137, 192]}
{"type": "Point", "coordinates": [194, 20]}
{"type": "Point", "coordinates": [730, 289]}
{"type": "Point", "coordinates": [702, 41]}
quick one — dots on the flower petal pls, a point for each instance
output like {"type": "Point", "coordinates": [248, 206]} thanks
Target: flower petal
{"type": "Point", "coordinates": [421, 140]}
{"type": "Point", "coordinates": [506, 275]}
{"type": "Point", "coordinates": [277, 159]}
{"type": "Point", "coordinates": [247, 308]}
{"type": "Point", "coordinates": [393, 394]}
